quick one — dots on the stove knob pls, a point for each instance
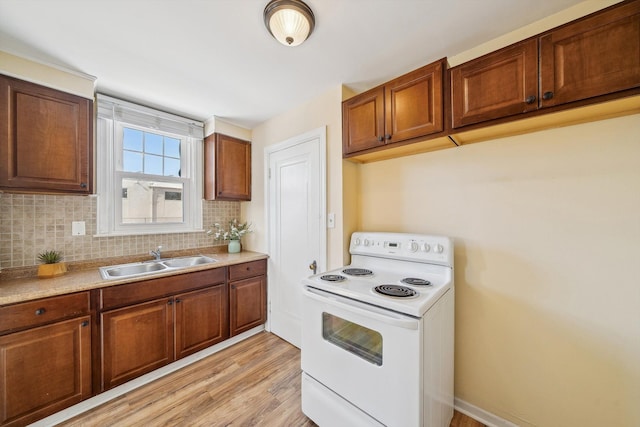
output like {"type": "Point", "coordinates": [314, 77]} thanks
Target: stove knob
{"type": "Point", "coordinates": [366, 242]}
{"type": "Point", "coordinates": [357, 241]}
{"type": "Point", "coordinates": [438, 249]}
{"type": "Point", "coordinates": [426, 247]}
{"type": "Point", "coordinates": [413, 247]}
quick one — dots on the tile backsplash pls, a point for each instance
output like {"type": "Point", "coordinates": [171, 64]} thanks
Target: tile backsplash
{"type": "Point", "coordinates": [32, 223]}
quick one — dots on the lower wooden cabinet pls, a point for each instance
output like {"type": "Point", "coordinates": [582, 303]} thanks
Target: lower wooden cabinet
{"type": "Point", "coordinates": [140, 338]}
{"type": "Point", "coordinates": [247, 296]}
{"type": "Point", "coordinates": [44, 370]}
{"type": "Point", "coordinates": [201, 320]}
{"type": "Point", "coordinates": [136, 340]}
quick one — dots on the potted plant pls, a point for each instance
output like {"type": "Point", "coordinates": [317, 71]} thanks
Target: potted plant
{"type": "Point", "coordinates": [52, 265]}
{"type": "Point", "coordinates": [233, 234]}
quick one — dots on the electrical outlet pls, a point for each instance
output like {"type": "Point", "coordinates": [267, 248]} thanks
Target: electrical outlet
{"type": "Point", "coordinates": [78, 228]}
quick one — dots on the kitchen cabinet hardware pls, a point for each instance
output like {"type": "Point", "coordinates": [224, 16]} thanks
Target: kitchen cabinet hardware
{"type": "Point", "coordinates": [46, 139]}
{"type": "Point", "coordinates": [313, 266]}
{"type": "Point", "coordinates": [547, 95]}
{"type": "Point", "coordinates": [40, 311]}
{"type": "Point", "coordinates": [227, 168]}
{"type": "Point", "coordinates": [530, 99]}
{"type": "Point", "coordinates": [84, 324]}
{"type": "Point", "coordinates": [380, 138]}
{"type": "Point", "coordinates": [170, 302]}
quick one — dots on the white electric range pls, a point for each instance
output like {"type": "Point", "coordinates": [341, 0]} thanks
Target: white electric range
{"type": "Point", "coordinates": [377, 335]}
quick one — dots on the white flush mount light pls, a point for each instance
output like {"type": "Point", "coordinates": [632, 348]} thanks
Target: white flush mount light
{"type": "Point", "coordinates": [289, 21]}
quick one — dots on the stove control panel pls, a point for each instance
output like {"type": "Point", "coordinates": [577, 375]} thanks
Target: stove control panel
{"type": "Point", "coordinates": [403, 246]}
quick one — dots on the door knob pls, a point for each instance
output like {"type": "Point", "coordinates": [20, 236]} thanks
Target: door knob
{"type": "Point", "coordinates": [313, 266]}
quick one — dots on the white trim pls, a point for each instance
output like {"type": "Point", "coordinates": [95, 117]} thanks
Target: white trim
{"type": "Point", "coordinates": [479, 414]}
{"type": "Point", "coordinates": [320, 134]}
{"type": "Point", "coordinates": [108, 395]}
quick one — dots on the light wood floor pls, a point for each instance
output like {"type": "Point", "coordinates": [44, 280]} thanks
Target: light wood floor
{"type": "Point", "coordinates": [253, 383]}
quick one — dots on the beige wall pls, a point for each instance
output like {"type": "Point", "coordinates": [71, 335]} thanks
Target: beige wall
{"type": "Point", "coordinates": [47, 75]}
{"type": "Point", "coordinates": [547, 266]}
{"type": "Point", "coordinates": [324, 110]}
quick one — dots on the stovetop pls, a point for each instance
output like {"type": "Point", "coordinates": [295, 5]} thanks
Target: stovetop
{"type": "Point", "coordinates": [388, 272]}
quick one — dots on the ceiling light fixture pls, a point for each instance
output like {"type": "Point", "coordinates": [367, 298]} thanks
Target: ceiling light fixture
{"type": "Point", "coordinates": [289, 21]}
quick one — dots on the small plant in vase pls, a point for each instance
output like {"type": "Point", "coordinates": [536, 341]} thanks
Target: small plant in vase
{"type": "Point", "coordinates": [233, 234]}
{"type": "Point", "coordinates": [52, 264]}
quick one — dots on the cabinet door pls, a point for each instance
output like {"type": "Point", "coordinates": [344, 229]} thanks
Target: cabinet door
{"type": "Point", "coordinates": [413, 104]}
{"type": "Point", "coordinates": [363, 121]}
{"type": "Point", "coordinates": [45, 139]}
{"type": "Point", "coordinates": [227, 168]}
{"type": "Point", "coordinates": [136, 340]}
{"type": "Point", "coordinates": [500, 84]}
{"type": "Point", "coordinates": [594, 56]}
{"type": "Point", "coordinates": [247, 304]}
{"type": "Point", "coordinates": [201, 319]}
{"type": "Point", "coordinates": [44, 370]}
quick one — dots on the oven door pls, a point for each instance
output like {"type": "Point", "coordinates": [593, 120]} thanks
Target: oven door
{"type": "Point", "coordinates": [368, 356]}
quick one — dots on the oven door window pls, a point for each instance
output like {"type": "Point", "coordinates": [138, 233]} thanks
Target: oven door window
{"type": "Point", "coordinates": [356, 339]}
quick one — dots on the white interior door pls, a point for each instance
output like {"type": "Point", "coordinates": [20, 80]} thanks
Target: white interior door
{"type": "Point", "coordinates": [296, 199]}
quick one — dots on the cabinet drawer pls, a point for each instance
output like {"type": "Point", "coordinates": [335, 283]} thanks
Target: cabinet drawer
{"type": "Point", "coordinates": [39, 312]}
{"type": "Point", "coordinates": [248, 269]}
{"type": "Point", "coordinates": [132, 293]}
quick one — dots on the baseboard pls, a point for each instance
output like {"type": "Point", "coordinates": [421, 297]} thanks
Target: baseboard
{"type": "Point", "coordinates": [481, 415]}
{"type": "Point", "coordinates": [108, 395]}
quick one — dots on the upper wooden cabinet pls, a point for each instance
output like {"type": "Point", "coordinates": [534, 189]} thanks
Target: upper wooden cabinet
{"type": "Point", "coordinates": [46, 139]}
{"type": "Point", "coordinates": [404, 109]}
{"type": "Point", "coordinates": [227, 168]}
{"type": "Point", "coordinates": [500, 84]}
{"type": "Point", "coordinates": [593, 56]}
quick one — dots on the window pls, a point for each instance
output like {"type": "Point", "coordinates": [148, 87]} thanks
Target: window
{"type": "Point", "coordinates": [149, 170]}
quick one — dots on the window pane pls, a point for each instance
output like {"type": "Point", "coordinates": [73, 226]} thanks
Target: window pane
{"type": "Point", "coordinates": [149, 202]}
{"type": "Point", "coordinates": [172, 147]}
{"type": "Point", "coordinates": [152, 164]}
{"type": "Point", "coordinates": [131, 161]}
{"type": "Point", "coordinates": [171, 167]}
{"type": "Point", "coordinates": [152, 143]}
{"type": "Point", "coordinates": [132, 139]}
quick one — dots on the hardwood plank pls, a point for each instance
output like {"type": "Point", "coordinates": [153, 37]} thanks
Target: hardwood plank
{"type": "Point", "coordinates": [253, 383]}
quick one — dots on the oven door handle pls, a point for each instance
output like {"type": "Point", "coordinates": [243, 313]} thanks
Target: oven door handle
{"type": "Point", "coordinates": [367, 310]}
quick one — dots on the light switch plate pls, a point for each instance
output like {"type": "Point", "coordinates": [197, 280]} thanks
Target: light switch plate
{"type": "Point", "coordinates": [331, 220]}
{"type": "Point", "coordinates": [78, 228]}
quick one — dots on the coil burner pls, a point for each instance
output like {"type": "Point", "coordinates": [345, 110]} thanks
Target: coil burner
{"type": "Point", "coordinates": [415, 282]}
{"type": "Point", "coordinates": [333, 278]}
{"type": "Point", "coordinates": [395, 291]}
{"type": "Point", "coordinates": [357, 272]}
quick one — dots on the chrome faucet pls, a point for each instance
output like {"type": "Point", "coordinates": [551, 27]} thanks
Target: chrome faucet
{"type": "Point", "coordinates": [156, 254]}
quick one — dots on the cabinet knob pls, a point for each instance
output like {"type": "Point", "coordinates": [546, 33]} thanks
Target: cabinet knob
{"type": "Point", "coordinates": [170, 302]}
{"type": "Point", "coordinates": [178, 300]}
{"type": "Point", "coordinates": [547, 95]}
{"type": "Point", "coordinates": [233, 286]}
{"type": "Point", "coordinates": [388, 137]}
{"type": "Point", "coordinates": [530, 99]}
{"type": "Point", "coordinates": [84, 324]}
{"type": "Point", "coordinates": [380, 139]}
{"type": "Point", "coordinates": [40, 311]}
{"type": "Point", "coordinates": [83, 184]}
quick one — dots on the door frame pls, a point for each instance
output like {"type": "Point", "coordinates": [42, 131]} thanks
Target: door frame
{"type": "Point", "coordinates": [320, 134]}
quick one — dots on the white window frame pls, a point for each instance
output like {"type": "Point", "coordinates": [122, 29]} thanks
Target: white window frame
{"type": "Point", "coordinates": [113, 116]}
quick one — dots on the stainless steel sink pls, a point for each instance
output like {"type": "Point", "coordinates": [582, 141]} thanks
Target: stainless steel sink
{"type": "Point", "coordinates": [187, 261]}
{"type": "Point", "coordinates": [143, 268]}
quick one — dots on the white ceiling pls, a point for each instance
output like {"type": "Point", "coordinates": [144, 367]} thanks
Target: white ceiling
{"type": "Point", "coordinates": [205, 58]}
